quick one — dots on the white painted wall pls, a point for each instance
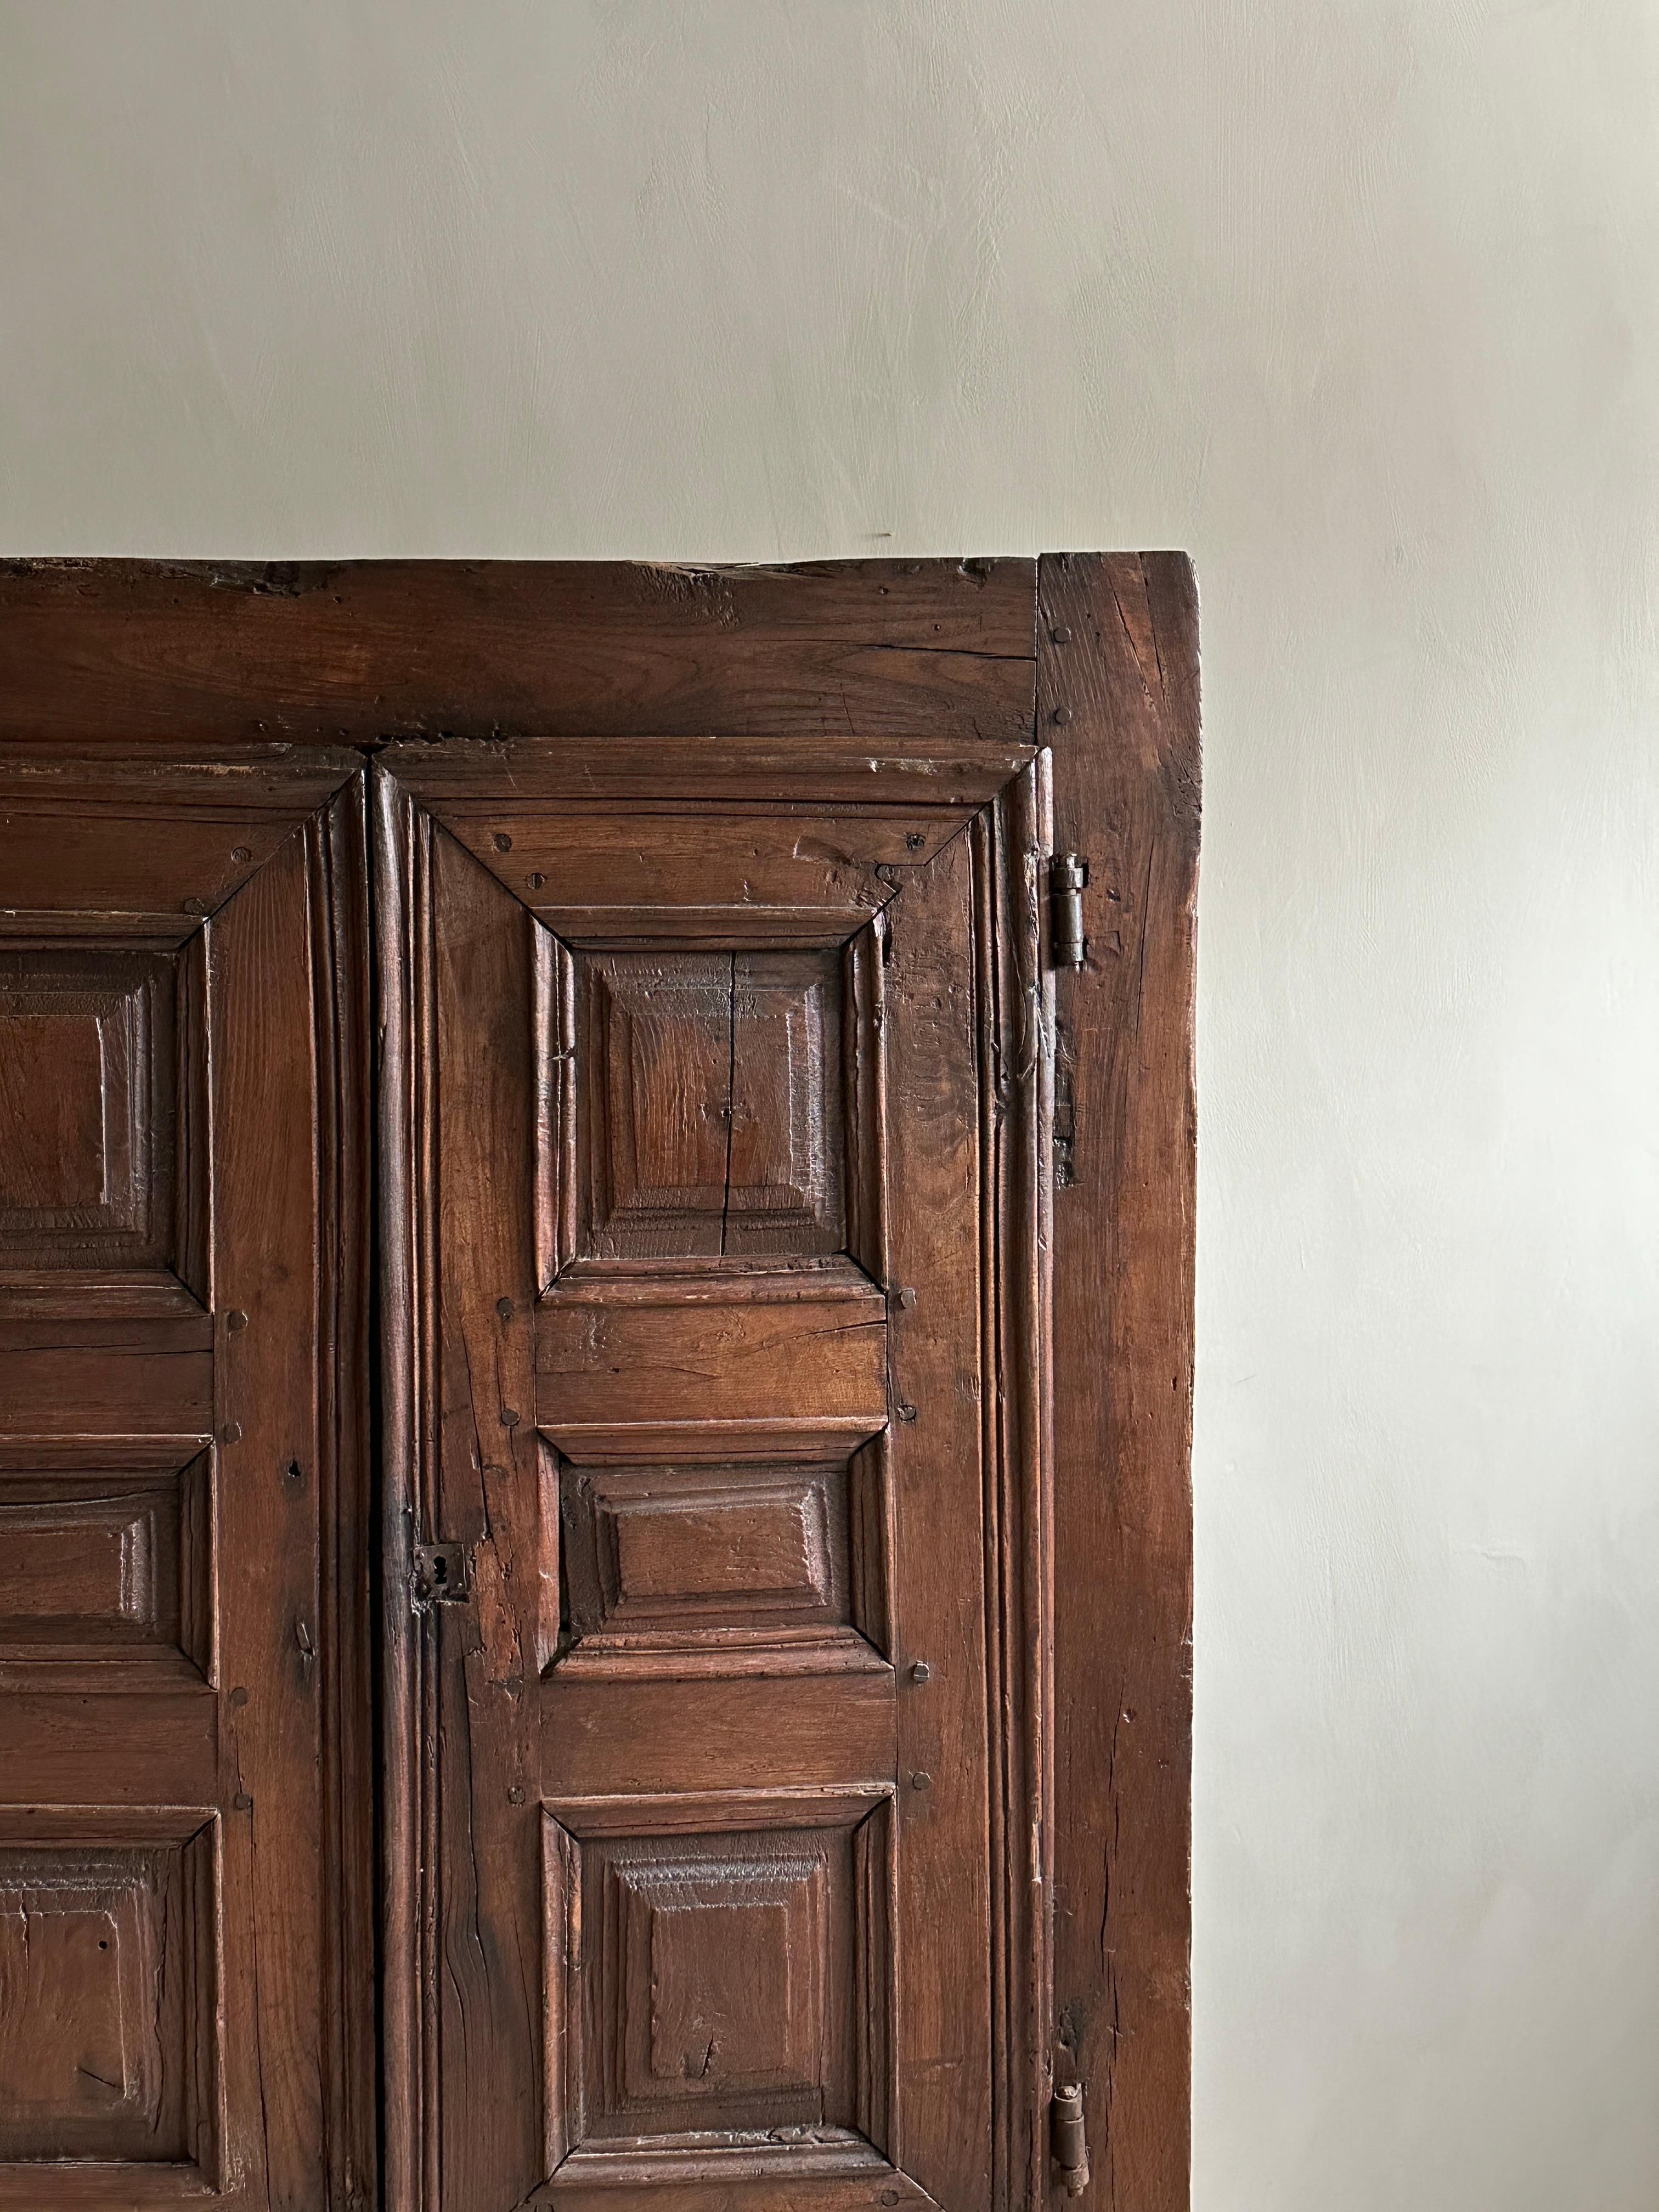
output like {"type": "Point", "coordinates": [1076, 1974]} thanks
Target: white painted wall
{"type": "Point", "coordinates": [1359, 299]}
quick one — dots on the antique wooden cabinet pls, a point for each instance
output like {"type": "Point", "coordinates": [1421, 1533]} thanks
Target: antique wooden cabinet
{"type": "Point", "coordinates": [595, 1333]}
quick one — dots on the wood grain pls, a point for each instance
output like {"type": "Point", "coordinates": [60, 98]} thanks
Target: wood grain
{"type": "Point", "coordinates": [935, 767]}
{"type": "Point", "coordinates": [183, 1431]}
{"type": "Point", "coordinates": [815, 875]}
{"type": "Point", "coordinates": [167, 653]}
{"type": "Point", "coordinates": [750, 765]}
{"type": "Point", "coordinates": [749, 1425]}
{"type": "Point", "coordinates": [1118, 646]}
{"type": "Point", "coordinates": [148, 844]}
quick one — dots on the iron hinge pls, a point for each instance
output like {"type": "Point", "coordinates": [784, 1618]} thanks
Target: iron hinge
{"type": "Point", "coordinates": [1068, 2138]}
{"type": "Point", "coordinates": [1068, 877]}
{"type": "Point", "coordinates": [441, 1575]}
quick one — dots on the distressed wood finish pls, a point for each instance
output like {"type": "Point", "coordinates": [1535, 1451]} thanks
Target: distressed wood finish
{"type": "Point", "coordinates": [717, 1069]}
{"type": "Point", "coordinates": [719, 1346]}
{"type": "Point", "coordinates": [1118, 647]}
{"type": "Point", "coordinates": [170, 651]}
{"type": "Point", "coordinates": [185, 1989]}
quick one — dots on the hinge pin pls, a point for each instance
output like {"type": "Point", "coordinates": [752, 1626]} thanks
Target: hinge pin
{"type": "Point", "coordinates": [1070, 2139]}
{"type": "Point", "coordinates": [1068, 873]}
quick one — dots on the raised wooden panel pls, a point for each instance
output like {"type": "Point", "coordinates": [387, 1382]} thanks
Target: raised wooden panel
{"type": "Point", "coordinates": [710, 1103]}
{"type": "Point", "coordinates": [88, 1050]}
{"type": "Point", "coordinates": [103, 1127]}
{"type": "Point", "coordinates": [709, 1363]}
{"type": "Point", "coordinates": [113, 1567]}
{"type": "Point", "coordinates": [720, 1971]}
{"type": "Point", "coordinates": [717, 1568]}
{"type": "Point", "coordinates": [107, 1983]}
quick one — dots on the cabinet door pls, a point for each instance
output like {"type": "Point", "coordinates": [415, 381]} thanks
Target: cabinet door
{"type": "Point", "coordinates": [183, 2009]}
{"type": "Point", "coordinates": [717, 1091]}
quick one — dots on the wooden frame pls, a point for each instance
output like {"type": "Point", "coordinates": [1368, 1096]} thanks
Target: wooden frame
{"type": "Point", "coordinates": [1097, 657]}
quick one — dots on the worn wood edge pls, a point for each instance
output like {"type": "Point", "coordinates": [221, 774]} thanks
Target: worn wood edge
{"type": "Point", "coordinates": [200, 779]}
{"type": "Point", "coordinates": [338, 857]}
{"type": "Point", "coordinates": [1014, 995]}
{"type": "Point", "coordinates": [1118, 690]}
{"type": "Point", "coordinates": [837, 768]}
{"type": "Point", "coordinates": [402, 2059]}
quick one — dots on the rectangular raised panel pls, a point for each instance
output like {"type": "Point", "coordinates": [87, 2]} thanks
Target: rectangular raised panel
{"type": "Point", "coordinates": [718, 1973]}
{"type": "Point", "coordinates": [111, 1567]}
{"type": "Point", "coordinates": [100, 1080]}
{"type": "Point", "coordinates": [679, 1547]}
{"type": "Point", "coordinates": [769, 1356]}
{"type": "Point", "coordinates": [107, 1997]}
{"type": "Point", "coordinates": [709, 1107]}
{"type": "Point", "coordinates": [710, 1568]}
{"type": "Point", "coordinates": [86, 1092]}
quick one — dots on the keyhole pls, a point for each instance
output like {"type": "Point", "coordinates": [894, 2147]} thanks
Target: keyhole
{"type": "Point", "coordinates": [440, 1569]}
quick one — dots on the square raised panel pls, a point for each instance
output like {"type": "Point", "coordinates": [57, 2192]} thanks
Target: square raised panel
{"type": "Point", "coordinates": [106, 1567]}
{"type": "Point", "coordinates": [721, 1967]}
{"type": "Point", "coordinates": [711, 1104]}
{"type": "Point", "coordinates": [101, 1076]}
{"type": "Point", "coordinates": [107, 1966]}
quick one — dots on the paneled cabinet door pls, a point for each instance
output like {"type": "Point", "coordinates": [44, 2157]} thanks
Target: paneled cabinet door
{"type": "Point", "coordinates": [184, 2015]}
{"type": "Point", "coordinates": [717, 1085]}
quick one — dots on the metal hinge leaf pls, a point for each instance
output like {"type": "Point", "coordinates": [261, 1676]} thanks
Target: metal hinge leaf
{"type": "Point", "coordinates": [1069, 2139]}
{"type": "Point", "coordinates": [1068, 878]}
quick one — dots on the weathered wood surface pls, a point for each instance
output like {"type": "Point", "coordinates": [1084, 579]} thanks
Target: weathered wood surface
{"type": "Point", "coordinates": [745, 767]}
{"type": "Point", "coordinates": [799, 1277]}
{"type": "Point", "coordinates": [168, 652]}
{"type": "Point", "coordinates": [1118, 692]}
{"type": "Point", "coordinates": [187, 1999]}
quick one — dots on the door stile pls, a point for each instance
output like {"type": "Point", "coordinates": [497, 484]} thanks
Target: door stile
{"type": "Point", "coordinates": [336, 853]}
{"type": "Point", "coordinates": [401, 863]}
{"type": "Point", "coordinates": [1011, 840]}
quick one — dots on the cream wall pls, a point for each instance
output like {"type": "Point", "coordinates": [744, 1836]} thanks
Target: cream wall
{"type": "Point", "coordinates": [1358, 299]}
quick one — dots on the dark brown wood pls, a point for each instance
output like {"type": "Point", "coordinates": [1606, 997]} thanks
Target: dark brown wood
{"type": "Point", "coordinates": [171, 651]}
{"type": "Point", "coordinates": [187, 1997]}
{"type": "Point", "coordinates": [1118, 697]}
{"type": "Point", "coordinates": [716, 1372]}
{"type": "Point", "coordinates": [719, 1065]}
